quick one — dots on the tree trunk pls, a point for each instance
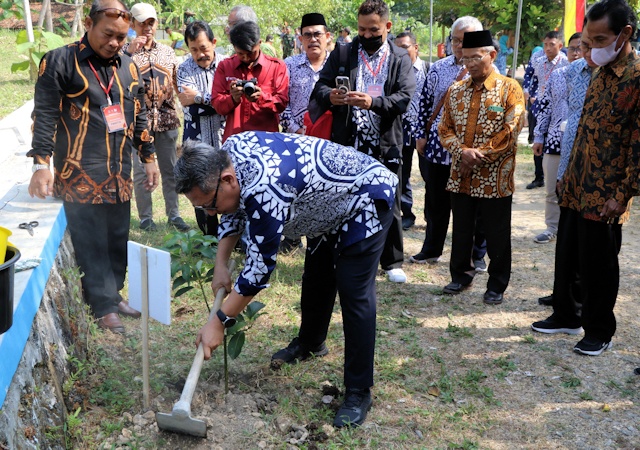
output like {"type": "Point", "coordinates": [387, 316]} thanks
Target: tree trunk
{"type": "Point", "coordinates": [76, 27]}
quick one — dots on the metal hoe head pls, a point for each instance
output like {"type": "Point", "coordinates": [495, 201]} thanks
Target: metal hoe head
{"type": "Point", "coordinates": [185, 425]}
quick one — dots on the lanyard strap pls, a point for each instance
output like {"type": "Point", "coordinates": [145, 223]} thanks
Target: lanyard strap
{"type": "Point", "coordinates": [366, 63]}
{"type": "Point", "coordinates": [105, 89]}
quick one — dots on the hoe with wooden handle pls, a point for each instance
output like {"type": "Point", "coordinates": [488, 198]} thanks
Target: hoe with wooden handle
{"type": "Point", "coordinates": [180, 420]}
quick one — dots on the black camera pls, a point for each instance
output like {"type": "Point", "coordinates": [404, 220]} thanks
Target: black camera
{"type": "Point", "coordinates": [248, 86]}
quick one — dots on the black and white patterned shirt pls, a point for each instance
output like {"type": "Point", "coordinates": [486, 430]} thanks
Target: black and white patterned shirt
{"type": "Point", "coordinates": [302, 79]}
{"type": "Point", "coordinates": [201, 122]}
{"type": "Point", "coordinates": [372, 73]}
{"type": "Point", "coordinates": [297, 185]}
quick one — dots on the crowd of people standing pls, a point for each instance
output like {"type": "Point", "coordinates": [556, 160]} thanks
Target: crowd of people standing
{"type": "Point", "coordinates": [250, 156]}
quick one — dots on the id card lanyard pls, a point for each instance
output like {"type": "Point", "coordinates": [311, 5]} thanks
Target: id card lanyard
{"type": "Point", "coordinates": [375, 90]}
{"type": "Point", "coordinates": [111, 112]}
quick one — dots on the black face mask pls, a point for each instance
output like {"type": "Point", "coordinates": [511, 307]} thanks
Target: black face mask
{"type": "Point", "coordinates": [371, 44]}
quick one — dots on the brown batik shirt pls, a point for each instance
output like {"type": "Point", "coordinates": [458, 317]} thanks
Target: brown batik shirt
{"type": "Point", "coordinates": [91, 165]}
{"type": "Point", "coordinates": [488, 118]}
{"type": "Point", "coordinates": [605, 159]}
{"type": "Point", "coordinates": [159, 69]}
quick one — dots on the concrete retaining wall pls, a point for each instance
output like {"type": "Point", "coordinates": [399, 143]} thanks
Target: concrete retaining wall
{"type": "Point", "coordinates": [34, 409]}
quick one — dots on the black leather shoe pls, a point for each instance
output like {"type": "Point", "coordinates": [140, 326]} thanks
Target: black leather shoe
{"type": "Point", "coordinates": [357, 403]}
{"type": "Point", "coordinates": [407, 222]}
{"type": "Point", "coordinates": [546, 301]}
{"type": "Point", "coordinates": [492, 298]}
{"type": "Point", "coordinates": [111, 322]}
{"type": "Point", "coordinates": [294, 352]}
{"type": "Point", "coordinates": [455, 288]}
{"type": "Point", "coordinates": [126, 310]}
{"type": "Point", "coordinates": [535, 184]}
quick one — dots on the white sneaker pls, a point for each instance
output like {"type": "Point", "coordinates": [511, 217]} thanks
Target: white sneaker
{"type": "Point", "coordinates": [397, 276]}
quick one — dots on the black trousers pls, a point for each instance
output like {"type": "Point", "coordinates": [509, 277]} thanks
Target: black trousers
{"type": "Point", "coordinates": [406, 197]}
{"type": "Point", "coordinates": [99, 234]}
{"type": "Point", "coordinates": [437, 211]}
{"type": "Point", "coordinates": [352, 274]}
{"type": "Point", "coordinates": [497, 228]}
{"type": "Point", "coordinates": [393, 253]}
{"type": "Point", "coordinates": [207, 224]}
{"type": "Point", "coordinates": [590, 249]}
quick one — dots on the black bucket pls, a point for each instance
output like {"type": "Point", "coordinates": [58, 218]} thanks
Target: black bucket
{"type": "Point", "coordinates": [7, 270]}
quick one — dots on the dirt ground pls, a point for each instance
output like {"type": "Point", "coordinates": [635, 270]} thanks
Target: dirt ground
{"type": "Point", "coordinates": [465, 375]}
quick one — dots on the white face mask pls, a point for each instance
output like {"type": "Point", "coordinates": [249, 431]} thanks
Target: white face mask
{"type": "Point", "coordinates": [603, 56]}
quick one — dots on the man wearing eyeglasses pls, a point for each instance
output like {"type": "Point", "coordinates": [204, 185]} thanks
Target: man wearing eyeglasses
{"type": "Point", "coordinates": [304, 71]}
{"type": "Point", "coordinates": [543, 64]}
{"type": "Point", "coordinates": [434, 160]}
{"type": "Point", "coordinates": [90, 115]}
{"type": "Point", "coordinates": [159, 66]}
{"type": "Point", "coordinates": [547, 138]}
{"type": "Point", "coordinates": [410, 120]}
{"type": "Point", "coordinates": [482, 118]}
{"type": "Point", "coordinates": [343, 203]}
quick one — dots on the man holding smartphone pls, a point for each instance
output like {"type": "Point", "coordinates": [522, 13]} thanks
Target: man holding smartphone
{"type": "Point", "coordinates": [368, 116]}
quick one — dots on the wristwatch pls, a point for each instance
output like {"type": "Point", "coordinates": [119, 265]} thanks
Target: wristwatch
{"type": "Point", "coordinates": [197, 99]}
{"type": "Point", "coordinates": [227, 321]}
{"type": "Point", "coordinates": [37, 167]}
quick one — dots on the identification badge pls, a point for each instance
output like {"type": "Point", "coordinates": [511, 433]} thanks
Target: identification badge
{"type": "Point", "coordinates": [114, 117]}
{"type": "Point", "coordinates": [375, 90]}
{"type": "Point", "coordinates": [496, 108]}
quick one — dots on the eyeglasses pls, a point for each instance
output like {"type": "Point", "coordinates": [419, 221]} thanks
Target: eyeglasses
{"type": "Point", "coordinates": [456, 41]}
{"type": "Point", "coordinates": [584, 47]}
{"type": "Point", "coordinates": [573, 49]}
{"type": "Point", "coordinates": [316, 34]}
{"type": "Point", "coordinates": [407, 46]}
{"type": "Point", "coordinates": [115, 13]}
{"type": "Point", "coordinates": [475, 60]}
{"type": "Point", "coordinates": [212, 206]}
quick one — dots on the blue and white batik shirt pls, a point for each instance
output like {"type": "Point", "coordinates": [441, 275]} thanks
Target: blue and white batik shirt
{"type": "Point", "coordinates": [296, 185]}
{"type": "Point", "coordinates": [201, 122]}
{"type": "Point", "coordinates": [411, 118]}
{"type": "Point", "coordinates": [442, 74]}
{"type": "Point", "coordinates": [553, 111]}
{"type": "Point", "coordinates": [578, 76]}
{"type": "Point", "coordinates": [302, 79]}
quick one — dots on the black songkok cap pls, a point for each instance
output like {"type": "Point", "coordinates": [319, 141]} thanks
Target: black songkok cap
{"type": "Point", "coordinates": [477, 39]}
{"type": "Point", "coordinates": [312, 19]}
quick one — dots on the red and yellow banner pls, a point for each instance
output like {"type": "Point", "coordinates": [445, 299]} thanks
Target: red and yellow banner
{"type": "Point", "coordinates": [573, 17]}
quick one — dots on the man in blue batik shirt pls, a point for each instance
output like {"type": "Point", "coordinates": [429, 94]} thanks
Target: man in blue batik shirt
{"type": "Point", "coordinates": [273, 184]}
{"type": "Point", "coordinates": [304, 71]}
{"type": "Point", "coordinates": [577, 77]}
{"type": "Point", "coordinates": [407, 40]}
{"type": "Point", "coordinates": [551, 119]}
{"type": "Point", "coordinates": [543, 64]}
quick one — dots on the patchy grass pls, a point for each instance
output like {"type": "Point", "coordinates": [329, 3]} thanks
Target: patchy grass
{"type": "Point", "coordinates": [15, 88]}
{"type": "Point", "coordinates": [450, 372]}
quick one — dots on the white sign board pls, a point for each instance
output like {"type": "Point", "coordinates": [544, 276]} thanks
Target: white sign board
{"type": "Point", "coordinates": [158, 281]}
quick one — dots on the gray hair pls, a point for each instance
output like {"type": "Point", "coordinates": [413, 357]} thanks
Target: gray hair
{"type": "Point", "coordinates": [199, 165]}
{"type": "Point", "coordinates": [466, 22]}
{"type": "Point", "coordinates": [244, 13]}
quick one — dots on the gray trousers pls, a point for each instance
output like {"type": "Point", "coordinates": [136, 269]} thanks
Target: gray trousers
{"type": "Point", "coordinates": [165, 143]}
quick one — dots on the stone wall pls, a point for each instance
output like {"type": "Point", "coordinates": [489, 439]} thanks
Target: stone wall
{"type": "Point", "coordinates": [37, 404]}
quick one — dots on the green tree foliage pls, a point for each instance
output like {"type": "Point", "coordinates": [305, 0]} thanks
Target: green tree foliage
{"type": "Point", "coordinates": [538, 16]}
